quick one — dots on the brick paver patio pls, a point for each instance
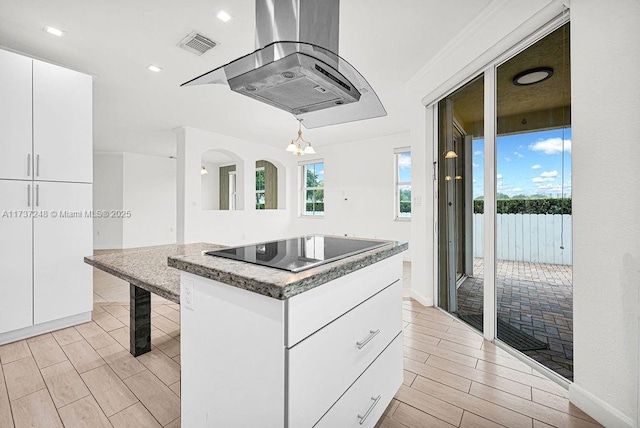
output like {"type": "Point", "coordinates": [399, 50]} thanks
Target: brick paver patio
{"type": "Point", "coordinates": [534, 298]}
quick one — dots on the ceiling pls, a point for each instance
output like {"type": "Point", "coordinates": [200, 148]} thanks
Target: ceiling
{"type": "Point", "coordinates": [136, 110]}
{"type": "Point", "coordinates": [543, 105]}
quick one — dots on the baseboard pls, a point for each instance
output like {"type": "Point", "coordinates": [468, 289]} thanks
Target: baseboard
{"type": "Point", "coordinates": [106, 246]}
{"type": "Point", "coordinates": [35, 330]}
{"type": "Point", "coordinates": [598, 409]}
{"type": "Point", "coordinates": [423, 300]}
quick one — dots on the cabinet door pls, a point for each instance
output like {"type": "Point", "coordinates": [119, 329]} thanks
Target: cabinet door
{"type": "Point", "coordinates": [16, 293]}
{"type": "Point", "coordinates": [62, 282]}
{"type": "Point", "coordinates": [15, 116]}
{"type": "Point", "coordinates": [62, 127]}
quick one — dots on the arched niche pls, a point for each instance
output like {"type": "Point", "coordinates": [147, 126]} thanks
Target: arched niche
{"type": "Point", "coordinates": [222, 182]}
{"type": "Point", "coordinates": [270, 185]}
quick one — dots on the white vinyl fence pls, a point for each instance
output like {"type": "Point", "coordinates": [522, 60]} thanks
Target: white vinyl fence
{"type": "Point", "coordinates": [533, 238]}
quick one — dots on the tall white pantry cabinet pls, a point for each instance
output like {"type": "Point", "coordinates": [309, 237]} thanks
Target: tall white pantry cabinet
{"type": "Point", "coordinates": [46, 174]}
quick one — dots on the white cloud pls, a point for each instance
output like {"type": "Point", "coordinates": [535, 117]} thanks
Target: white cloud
{"type": "Point", "coordinates": [542, 179]}
{"type": "Point", "coordinates": [518, 154]}
{"type": "Point", "coordinates": [477, 153]}
{"type": "Point", "coordinates": [551, 146]}
{"type": "Point", "coordinates": [475, 165]}
{"type": "Point", "coordinates": [516, 189]}
{"type": "Point", "coordinates": [553, 173]}
{"type": "Point", "coordinates": [507, 159]}
{"type": "Point", "coordinates": [536, 166]}
{"type": "Point", "coordinates": [499, 176]}
{"type": "Point", "coordinates": [404, 162]}
{"type": "Point", "coordinates": [474, 180]}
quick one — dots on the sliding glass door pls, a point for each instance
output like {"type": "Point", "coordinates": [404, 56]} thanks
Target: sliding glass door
{"type": "Point", "coordinates": [504, 202]}
{"type": "Point", "coordinates": [460, 118]}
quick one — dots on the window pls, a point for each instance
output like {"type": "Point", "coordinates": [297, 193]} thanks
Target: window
{"type": "Point", "coordinates": [261, 202]}
{"type": "Point", "coordinates": [313, 189]}
{"type": "Point", "coordinates": [403, 183]}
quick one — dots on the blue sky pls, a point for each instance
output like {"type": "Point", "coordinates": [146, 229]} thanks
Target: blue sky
{"type": "Point", "coordinates": [527, 164]}
{"type": "Point", "coordinates": [404, 167]}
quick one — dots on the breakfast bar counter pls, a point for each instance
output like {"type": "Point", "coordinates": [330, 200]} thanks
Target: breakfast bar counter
{"type": "Point", "coordinates": [146, 270]}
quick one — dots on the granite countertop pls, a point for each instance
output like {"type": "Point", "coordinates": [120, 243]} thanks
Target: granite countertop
{"type": "Point", "coordinates": [147, 267]}
{"type": "Point", "coordinates": [276, 283]}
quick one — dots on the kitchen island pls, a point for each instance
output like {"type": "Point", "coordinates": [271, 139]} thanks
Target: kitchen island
{"type": "Point", "coordinates": [263, 347]}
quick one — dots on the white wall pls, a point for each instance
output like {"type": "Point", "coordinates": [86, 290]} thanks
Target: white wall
{"type": "Point", "coordinates": [107, 195]}
{"type": "Point", "coordinates": [230, 227]}
{"type": "Point", "coordinates": [142, 184]}
{"type": "Point", "coordinates": [605, 60]}
{"type": "Point", "coordinates": [604, 52]}
{"type": "Point", "coordinates": [210, 191]}
{"type": "Point", "coordinates": [149, 193]}
{"type": "Point", "coordinates": [359, 191]}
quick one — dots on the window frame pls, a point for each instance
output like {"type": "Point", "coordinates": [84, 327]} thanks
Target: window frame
{"type": "Point", "coordinates": [303, 188]}
{"type": "Point", "coordinates": [397, 184]}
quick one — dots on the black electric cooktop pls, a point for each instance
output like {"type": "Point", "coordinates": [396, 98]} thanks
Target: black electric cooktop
{"type": "Point", "coordinates": [298, 254]}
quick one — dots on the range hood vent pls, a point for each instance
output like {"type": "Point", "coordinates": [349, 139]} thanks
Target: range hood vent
{"type": "Point", "coordinates": [296, 66]}
{"type": "Point", "coordinates": [196, 43]}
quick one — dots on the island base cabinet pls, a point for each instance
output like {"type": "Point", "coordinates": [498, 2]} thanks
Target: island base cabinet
{"type": "Point", "coordinates": [239, 369]}
{"type": "Point", "coordinates": [364, 402]}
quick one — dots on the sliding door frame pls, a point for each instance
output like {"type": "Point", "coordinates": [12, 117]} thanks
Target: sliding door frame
{"type": "Point", "coordinates": [489, 73]}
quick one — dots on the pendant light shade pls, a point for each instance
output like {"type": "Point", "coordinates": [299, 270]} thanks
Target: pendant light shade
{"type": "Point", "coordinates": [296, 146]}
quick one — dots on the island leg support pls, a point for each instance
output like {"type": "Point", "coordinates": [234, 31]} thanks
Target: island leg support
{"type": "Point", "coordinates": [140, 320]}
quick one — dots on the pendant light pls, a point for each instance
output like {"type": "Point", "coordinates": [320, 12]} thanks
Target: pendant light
{"type": "Point", "coordinates": [295, 147]}
{"type": "Point", "coordinates": [203, 170]}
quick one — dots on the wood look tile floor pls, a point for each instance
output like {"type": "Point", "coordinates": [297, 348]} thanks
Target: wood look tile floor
{"type": "Point", "coordinates": [84, 376]}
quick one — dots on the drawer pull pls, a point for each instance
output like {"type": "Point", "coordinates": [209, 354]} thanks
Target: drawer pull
{"type": "Point", "coordinates": [372, 334]}
{"type": "Point", "coordinates": [368, 412]}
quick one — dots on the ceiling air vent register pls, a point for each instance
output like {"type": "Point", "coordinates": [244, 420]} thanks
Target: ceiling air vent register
{"type": "Point", "coordinates": [196, 43]}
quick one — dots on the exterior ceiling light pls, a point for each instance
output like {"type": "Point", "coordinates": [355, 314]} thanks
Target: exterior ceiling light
{"type": "Point", "coordinates": [532, 76]}
{"type": "Point", "coordinates": [450, 155]}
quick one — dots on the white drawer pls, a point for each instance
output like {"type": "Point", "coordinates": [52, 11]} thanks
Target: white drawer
{"type": "Point", "coordinates": [363, 404]}
{"type": "Point", "coordinates": [310, 311]}
{"type": "Point", "coordinates": [324, 365]}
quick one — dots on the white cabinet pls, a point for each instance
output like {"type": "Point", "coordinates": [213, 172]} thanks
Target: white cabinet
{"type": "Point", "coordinates": [45, 181]}
{"type": "Point", "coordinates": [324, 365]}
{"type": "Point", "coordinates": [62, 131]}
{"type": "Point", "coordinates": [15, 116]}
{"type": "Point", "coordinates": [62, 282]}
{"type": "Point", "coordinates": [15, 255]}
{"type": "Point", "coordinates": [45, 121]}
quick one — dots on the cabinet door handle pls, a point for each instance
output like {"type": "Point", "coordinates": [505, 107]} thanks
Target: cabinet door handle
{"type": "Point", "coordinates": [368, 412]}
{"type": "Point", "coordinates": [37, 165]}
{"type": "Point", "coordinates": [372, 334]}
{"type": "Point", "coordinates": [37, 195]}
{"type": "Point", "coordinates": [29, 195]}
{"type": "Point", "coordinates": [28, 164]}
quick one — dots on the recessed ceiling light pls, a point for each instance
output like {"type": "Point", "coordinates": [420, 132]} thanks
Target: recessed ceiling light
{"type": "Point", "coordinates": [223, 16]}
{"type": "Point", "coordinates": [54, 31]}
{"type": "Point", "coordinates": [534, 75]}
{"type": "Point", "coordinates": [154, 68]}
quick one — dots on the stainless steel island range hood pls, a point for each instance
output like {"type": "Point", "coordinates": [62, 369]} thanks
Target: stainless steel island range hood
{"type": "Point", "coordinates": [296, 66]}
